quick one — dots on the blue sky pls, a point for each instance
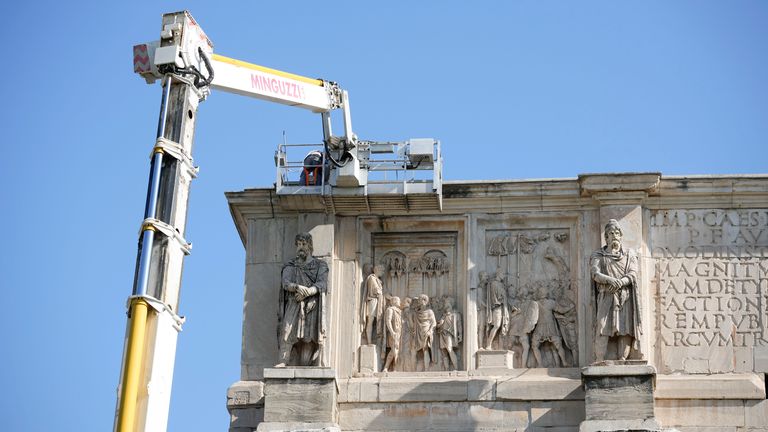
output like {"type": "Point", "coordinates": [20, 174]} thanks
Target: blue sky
{"type": "Point", "coordinates": [512, 89]}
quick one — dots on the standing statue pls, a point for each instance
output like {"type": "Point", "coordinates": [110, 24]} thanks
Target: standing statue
{"type": "Point", "coordinates": [565, 313]}
{"type": "Point", "coordinates": [524, 313]}
{"type": "Point", "coordinates": [482, 319]}
{"type": "Point", "coordinates": [301, 328]}
{"type": "Point", "coordinates": [497, 314]}
{"type": "Point", "coordinates": [408, 362]}
{"type": "Point", "coordinates": [373, 306]}
{"type": "Point", "coordinates": [424, 330]}
{"type": "Point", "coordinates": [393, 328]}
{"type": "Point", "coordinates": [450, 330]}
{"type": "Point", "coordinates": [546, 328]}
{"type": "Point", "coordinates": [614, 273]}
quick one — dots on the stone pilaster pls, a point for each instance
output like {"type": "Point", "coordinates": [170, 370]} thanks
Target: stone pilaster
{"type": "Point", "coordinates": [621, 197]}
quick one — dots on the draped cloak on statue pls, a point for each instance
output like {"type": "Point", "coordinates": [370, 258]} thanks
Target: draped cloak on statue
{"type": "Point", "coordinates": [618, 313]}
{"type": "Point", "coordinates": [303, 321]}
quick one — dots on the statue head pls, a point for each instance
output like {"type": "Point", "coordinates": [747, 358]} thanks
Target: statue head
{"type": "Point", "coordinates": [542, 291]}
{"type": "Point", "coordinates": [394, 301]}
{"type": "Point", "coordinates": [407, 302]}
{"type": "Point", "coordinates": [448, 303]}
{"type": "Point", "coordinates": [303, 242]}
{"type": "Point", "coordinates": [378, 270]}
{"type": "Point", "coordinates": [613, 234]}
{"type": "Point", "coordinates": [483, 275]}
{"type": "Point", "coordinates": [423, 300]}
{"type": "Point", "coordinates": [367, 269]}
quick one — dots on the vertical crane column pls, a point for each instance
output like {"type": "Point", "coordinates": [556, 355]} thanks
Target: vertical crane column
{"type": "Point", "coordinates": [153, 306]}
{"type": "Point", "coordinates": [154, 322]}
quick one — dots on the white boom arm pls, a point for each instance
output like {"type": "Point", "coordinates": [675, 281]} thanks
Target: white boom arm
{"type": "Point", "coordinates": [247, 79]}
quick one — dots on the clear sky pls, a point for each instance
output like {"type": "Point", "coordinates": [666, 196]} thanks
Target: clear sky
{"type": "Point", "coordinates": [512, 89]}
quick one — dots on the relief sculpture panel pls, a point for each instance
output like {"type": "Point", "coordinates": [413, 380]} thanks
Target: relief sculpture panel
{"type": "Point", "coordinates": [421, 326]}
{"type": "Point", "coordinates": [525, 299]}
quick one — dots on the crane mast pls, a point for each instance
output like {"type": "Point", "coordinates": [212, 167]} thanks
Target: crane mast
{"type": "Point", "coordinates": [184, 62]}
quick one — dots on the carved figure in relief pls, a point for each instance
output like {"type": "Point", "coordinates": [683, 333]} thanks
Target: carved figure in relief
{"type": "Point", "coordinates": [395, 263]}
{"type": "Point", "coordinates": [565, 314]}
{"type": "Point", "coordinates": [373, 306]}
{"type": "Point", "coordinates": [496, 308]}
{"type": "Point", "coordinates": [614, 273]}
{"type": "Point", "coordinates": [393, 328]}
{"type": "Point", "coordinates": [424, 329]}
{"type": "Point", "coordinates": [301, 327]}
{"type": "Point", "coordinates": [450, 330]}
{"type": "Point", "coordinates": [498, 245]}
{"type": "Point", "coordinates": [546, 328]}
{"type": "Point", "coordinates": [408, 353]}
{"type": "Point", "coordinates": [524, 313]}
{"type": "Point", "coordinates": [482, 294]}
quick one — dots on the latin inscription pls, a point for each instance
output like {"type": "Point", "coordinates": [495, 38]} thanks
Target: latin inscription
{"type": "Point", "coordinates": [711, 272]}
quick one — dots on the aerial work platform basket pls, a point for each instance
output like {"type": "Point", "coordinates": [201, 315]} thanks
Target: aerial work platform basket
{"type": "Point", "coordinates": [404, 175]}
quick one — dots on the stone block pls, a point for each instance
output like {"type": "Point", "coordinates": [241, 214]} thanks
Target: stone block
{"type": "Point", "coordinates": [761, 359]}
{"type": "Point", "coordinates": [501, 359]}
{"type": "Point", "coordinates": [313, 372]}
{"type": "Point", "coordinates": [557, 413]}
{"type": "Point", "coordinates": [744, 359]}
{"type": "Point", "coordinates": [352, 390]}
{"type": "Point", "coordinates": [756, 413]}
{"type": "Point", "coordinates": [720, 386]}
{"type": "Point", "coordinates": [343, 391]}
{"type": "Point", "coordinates": [516, 415]}
{"type": "Point", "coordinates": [498, 372]}
{"type": "Point", "coordinates": [243, 393]}
{"type": "Point", "coordinates": [369, 391]}
{"type": "Point", "coordinates": [399, 390]}
{"type": "Point", "coordinates": [481, 389]}
{"type": "Point", "coordinates": [539, 387]}
{"type": "Point", "coordinates": [300, 400]}
{"type": "Point", "coordinates": [264, 232]}
{"type": "Point", "coordinates": [696, 365]}
{"type": "Point", "coordinates": [486, 415]}
{"type": "Point", "coordinates": [622, 392]}
{"type": "Point", "coordinates": [444, 416]}
{"type": "Point", "coordinates": [346, 238]}
{"type": "Point", "coordinates": [711, 413]}
{"type": "Point", "coordinates": [647, 425]}
{"type": "Point", "coordinates": [246, 418]}
{"type": "Point", "coordinates": [282, 373]}
{"type": "Point", "coordinates": [407, 416]}
{"type": "Point", "coordinates": [369, 361]}
{"type": "Point", "coordinates": [590, 184]}
{"type": "Point", "coordinates": [706, 429]}
{"type": "Point", "coordinates": [298, 427]}
{"type": "Point", "coordinates": [259, 349]}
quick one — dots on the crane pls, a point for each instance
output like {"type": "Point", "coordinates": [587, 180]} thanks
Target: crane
{"type": "Point", "coordinates": [184, 62]}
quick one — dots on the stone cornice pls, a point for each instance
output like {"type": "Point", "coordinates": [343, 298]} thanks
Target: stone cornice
{"type": "Point", "coordinates": [586, 192]}
{"type": "Point", "coordinates": [602, 185]}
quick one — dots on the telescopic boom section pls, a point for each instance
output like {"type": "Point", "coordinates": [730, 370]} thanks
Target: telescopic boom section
{"type": "Point", "coordinates": [183, 60]}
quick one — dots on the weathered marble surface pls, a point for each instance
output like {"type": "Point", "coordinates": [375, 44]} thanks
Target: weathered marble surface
{"type": "Point", "coordinates": [619, 398]}
{"type": "Point", "coordinates": [702, 248]}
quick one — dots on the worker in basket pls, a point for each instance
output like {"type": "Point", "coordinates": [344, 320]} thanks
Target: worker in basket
{"type": "Point", "coordinates": [315, 166]}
